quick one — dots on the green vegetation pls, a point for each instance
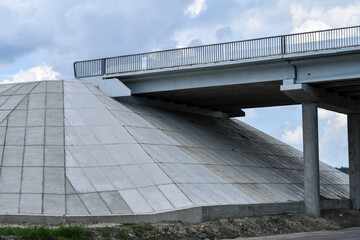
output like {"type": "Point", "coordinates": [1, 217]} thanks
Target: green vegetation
{"type": "Point", "coordinates": [129, 224]}
{"type": "Point", "coordinates": [45, 233]}
{"type": "Point", "coordinates": [104, 232]}
{"type": "Point", "coordinates": [138, 232]}
{"type": "Point", "coordinates": [122, 235]}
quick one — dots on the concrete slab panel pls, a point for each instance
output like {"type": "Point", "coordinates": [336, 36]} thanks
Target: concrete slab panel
{"type": "Point", "coordinates": [155, 198]}
{"type": "Point", "coordinates": [32, 180]}
{"type": "Point", "coordinates": [176, 197]}
{"type": "Point", "coordinates": [115, 203]}
{"type": "Point", "coordinates": [10, 179]}
{"type": "Point", "coordinates": [54, 156]}
{"type": "Point", "coordinates": [9, 203]}
{"type": "Point", "coordinates": [54, 100]}
{"type": "Point", "coordinates": [98, 179]}
{"type": "Point", "coordinates": [36, 118]}
{"type": "Point", "coordinates": [37, 101]}
{"type": "Point", "coordinates": [17, 118]}
{"type": "Point", "coordinates": [54, 181]}
{"type": "Point", "coordinates": [13, 156]}
{"type": "Point", "coordinates": [15, 136]}
{"type": "Point", "coordinates": [128, 154]}
{"type": "Point", "coordinates": [35, 136]}
{"type": "Point", "coordinates": [54, 204]}
{"type": "Point", "coordinates": [135, 201]}
{"type": "Point", "coordinates": [54, 136]}
{"type": "Point", "coordinates": [34, 156]}
{"type": "Point", "coordinates": [118, 178]}
{"type": "Point", "coordinates": [74, 206]}
{"type": "Point", "coordinates": [81, 156]}
{"type": "Point", "coordinates": [12, 102]}
{"type": "Point", "coordinates": [55, 117]}
{"type": "Point", "coordinates": [31, 203]}
{"type": "Point", "coordinates": [79, 180]}
{"type": "Point", "coordinates": [137, 176]}
{"type": "Point", "coordinates": [54, 86]}
{"type": "Point", "coordinates": [94, 204]}
{"type": "Point", "coordinates": [102, 156]}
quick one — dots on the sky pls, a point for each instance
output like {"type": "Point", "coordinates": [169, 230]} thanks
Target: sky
{"type": "Point", "coordinates": [41, 39]}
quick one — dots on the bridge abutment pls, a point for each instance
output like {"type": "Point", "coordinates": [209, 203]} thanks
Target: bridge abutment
{"type": "Point", "coordinates": [354, 158]}
{"type": "Point", "coordinates": [311, 158]}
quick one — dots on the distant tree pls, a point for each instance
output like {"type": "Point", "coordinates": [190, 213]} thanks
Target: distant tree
{"type": "Point", "coordinates": [343, 169]}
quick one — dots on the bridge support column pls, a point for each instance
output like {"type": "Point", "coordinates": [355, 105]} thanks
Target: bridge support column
{"type": "Point", "coordinates": [311, 159]}
{"type": "Point", "coordinates": [354, 158]}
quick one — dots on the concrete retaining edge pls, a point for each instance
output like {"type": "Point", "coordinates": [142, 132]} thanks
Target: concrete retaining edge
{"type": "Point", "coordinates": [193, 214]}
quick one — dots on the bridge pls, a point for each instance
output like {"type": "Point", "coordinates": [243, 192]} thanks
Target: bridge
{"type": "Point", "coordinates": [315, 69]}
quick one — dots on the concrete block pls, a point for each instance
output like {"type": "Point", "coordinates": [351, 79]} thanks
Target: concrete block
{"type": "Point", "coordinates": [118, 177]}
{"type": "Point", "coordinates": [12, 102]}
{"type": "Point", "coordinates": [98, 179]}
{"type": "Point", "coordinates": [34, 156]}
{"type": "Point", "coordinates": [9, 203]}
{"type": "Point", "coordinates": [82, 156]}
{"type": "Point", "coordinates": [135, 201]}
{"type": "Point", "coordinates": [54, 156]}
{"type": "Point", "coordinates": [32, 180]}
{"type": "Point", "coordinates": [79, 180]}
{"type": "Point", "coordinates": [31, 203]}
{"type": "Point", "coordinates": [36, 118]}
{"type": "Point", "coordinates": [115, 203]}
{"type": "Point", "coordinates": [137, 176]}
{"type": "Point", "coordinates": [54, 100]}
{"type": "Point", "coordinates": [13, 156]}
{"type": "Point", "coordinates": [35, 136]}
{"type": "Point", "coordinates": [37, 101]}
{"type": "Point", "coordinates": [17, 118]}
{"type": "Point", "coordinates": [54, 181]}
{"type": "Point", "coordinates": [101, 155]}
{"type": "Point", "coordinates": [155, 198]}
{"type": "Point", "coordinates": [54, 86]}
{"type": "Point", "coordinates": [176, 197]}
{"type": "Point", "coordinates": [54, 204]}
{"type": "Point", "coordinates": [94, 204]}
{"type": "Point", "coordinates": [15, 136]}
{"type": "Point", "coordinates": [40, 88]}
{"type": "Point", "coordinates": [55, 117]}
{"type": "Point", "coordinates": [74, 206]}
{"type": "Point", "coordinates": [54, 136]}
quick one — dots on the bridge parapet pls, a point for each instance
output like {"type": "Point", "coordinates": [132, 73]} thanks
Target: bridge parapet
{"type": "Point", "coordinates": [222, 52]}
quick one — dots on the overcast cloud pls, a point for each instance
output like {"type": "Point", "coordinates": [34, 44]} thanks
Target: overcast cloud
{"type": "Point", "coordinates": [41, 39]}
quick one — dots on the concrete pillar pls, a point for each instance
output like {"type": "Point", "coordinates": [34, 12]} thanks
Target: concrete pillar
{"type": "Point", "coordinates": [354, 159]}
{"type": "Point", "coordinates": [311, 159]}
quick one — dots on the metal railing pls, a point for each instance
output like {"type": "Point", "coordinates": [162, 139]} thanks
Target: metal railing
{"type": "Point", "coordinates": [229, 51]}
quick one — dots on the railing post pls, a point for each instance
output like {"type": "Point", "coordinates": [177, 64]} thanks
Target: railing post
{"type": "Point", "coordinates": [283, 45]}
{"type": "Point", "coordinates": [103, 66]}
{"type": "Point", "coordinates": [75, 75]}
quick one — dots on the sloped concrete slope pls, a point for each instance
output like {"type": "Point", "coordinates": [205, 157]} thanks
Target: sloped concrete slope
{"type": "Point", "coordinates": [69, 150]}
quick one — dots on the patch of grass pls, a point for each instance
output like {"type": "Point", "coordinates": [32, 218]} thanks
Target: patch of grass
{"type": "Point", "coordinates": [104, 232]}
{"type": "Point", "coordinates": [122, 235]}
{"type": "Point", "coordinates": [147, 226]}
{"type": "Point", "coordinates": [138, 232]}
{"type": "Point", "coordinates": [126, 224]}
{"type": "Point", "coordinates": [43, 233]}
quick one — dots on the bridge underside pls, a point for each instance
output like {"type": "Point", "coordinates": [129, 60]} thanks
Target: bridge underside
{"type": "Point", "coordinates": [228, 99]}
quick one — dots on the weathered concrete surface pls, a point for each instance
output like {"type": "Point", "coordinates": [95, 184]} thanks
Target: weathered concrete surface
{"type": "Point", "coordinates": [311, 158]}
{"type": "Point", "coordinates": [71, 152]}
{"type": "Point", "coordinates": [354, 158]}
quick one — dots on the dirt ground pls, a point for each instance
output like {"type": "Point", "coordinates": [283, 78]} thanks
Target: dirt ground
{"type": "Point", "coordinates": [229, 228]}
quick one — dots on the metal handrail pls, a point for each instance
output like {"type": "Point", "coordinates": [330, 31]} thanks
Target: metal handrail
{"type": "Point", "coordinates": [222, 52]}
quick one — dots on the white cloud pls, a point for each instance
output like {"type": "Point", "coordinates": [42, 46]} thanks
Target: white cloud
{"type": "Point", "coordinates": [292, 136]}
{"type": "Point", "coordinates": [310, 18]}
{"type": "Point", "coordinates": [196, 8]}
{"type": "Point", "coordinates": [325, 114]}
{"type": "Point", "coordinates": [38, 73]}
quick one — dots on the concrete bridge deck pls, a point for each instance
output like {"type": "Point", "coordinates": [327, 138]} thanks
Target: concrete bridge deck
{"type": "Point", "coordinates": [315, 69]}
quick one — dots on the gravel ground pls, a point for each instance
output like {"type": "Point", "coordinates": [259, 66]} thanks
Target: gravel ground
{"type": "Point", "coordinates": [225, 228]}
